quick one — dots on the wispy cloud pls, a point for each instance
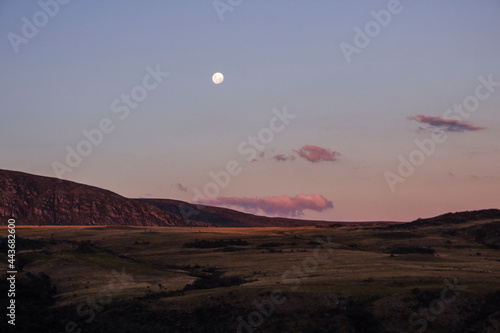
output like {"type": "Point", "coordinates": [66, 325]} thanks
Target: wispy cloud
{"type": "Point", "coordinates": [284, 158]}
{"type": "Point", "coordinates": [449, 125]}
{"type": "Point", "coordinates": [284, 205]}
{"type": "Point", "coordinates": [316, 154]}
{"type": "Point", "coordinates": [180, 187]}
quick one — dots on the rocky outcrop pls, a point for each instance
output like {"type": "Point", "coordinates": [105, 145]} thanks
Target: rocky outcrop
{"type": "Point", "coordinates": [36, 200]}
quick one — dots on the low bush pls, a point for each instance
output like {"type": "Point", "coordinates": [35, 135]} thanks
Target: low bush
{"type": "Point", "coordinates": [207, 244]}
{"type": "Point", "coordinates": [413, 249]}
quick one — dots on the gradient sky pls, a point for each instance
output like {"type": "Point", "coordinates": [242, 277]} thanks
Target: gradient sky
{"type": "Point", "coordinates": [353, 120]}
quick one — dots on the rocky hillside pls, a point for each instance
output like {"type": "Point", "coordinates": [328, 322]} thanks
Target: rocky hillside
{"type": "Point", "coordinates": [36, 200]}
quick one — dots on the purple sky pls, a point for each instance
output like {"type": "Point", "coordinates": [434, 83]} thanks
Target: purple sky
{"type": "Point", "coordinates": [338, 110]}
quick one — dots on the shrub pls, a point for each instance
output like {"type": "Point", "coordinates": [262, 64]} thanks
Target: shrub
{"type": "Point", "coordinates": [207, 244]}
{"type": "Point", "coordinates": [413, 249]}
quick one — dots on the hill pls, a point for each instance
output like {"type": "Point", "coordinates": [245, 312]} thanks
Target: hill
{"type": "Point", "coordinates": [37, 200]}
{"type": "Point", "coordinates": [224, 217]}
{"type": "Point", "coordinates": [459, 217]}
{"type": "Point", "coordinates": [480, 226]}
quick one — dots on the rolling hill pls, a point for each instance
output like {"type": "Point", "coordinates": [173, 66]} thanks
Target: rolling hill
{"type": "Point", "coordinates": [38, 200]}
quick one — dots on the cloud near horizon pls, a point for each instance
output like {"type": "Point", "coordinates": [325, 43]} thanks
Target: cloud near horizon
{"type": "Point", "coordinates": [316, 154]}
{"type": "Point", "coordinates": [180, 187]}
{"type": "Point", "coordinates": [284, 205]}
{"type": "Point", "coordinates": [449, 125]}
{"type": "Point", "coordinates": [284, 158]}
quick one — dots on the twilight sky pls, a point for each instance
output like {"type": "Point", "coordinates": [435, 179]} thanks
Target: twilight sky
{"type": "Point", "coordinates": [334, 110]}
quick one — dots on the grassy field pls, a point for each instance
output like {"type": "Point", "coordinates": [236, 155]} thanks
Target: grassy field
{"type": "Point", "coordinates": [303, 279]}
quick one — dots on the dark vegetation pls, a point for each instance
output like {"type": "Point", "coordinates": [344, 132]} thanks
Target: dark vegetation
{"type": "Point", "coordinates": [22, 244]}
{"type": "Point", "coordinates": [86, 247]}
{"type": "Point", "coordinates": [488, 235]}
{"type": "Point", "coordinates": [210, 244]}
{"type": "Point", "coordinates": [331, 225]}
{"type": "Point", "coordinates": [457, 218]}
{"type": "Point", "coordinates": [34, 295]}
{"type": "Point", "coordinates": [412, 249]}
{"type": "Point", "coordinates": [213, 302]}
{"type": "Point", "coordinates": [270, 244]}
{"type": "Point", "coordinates": [215, 281]}
{"type": "Point", "coordinates": [332, 313]}
{"type": "Point", "coordinates": [232, 249]}
{"type": "Point", "coordinates": [397, 235]}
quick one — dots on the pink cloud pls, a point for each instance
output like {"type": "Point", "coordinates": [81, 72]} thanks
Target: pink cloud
{"type": "Point", "coordinates": [180, 187]}
{"type": "Point", "coordinates": [316, 154]}
{"type": "Point", "coordinates": [449, 125]}
{"type": "Point", "coordinates": [284, 205]}
{"type": "Point", "coordinates": [283, 158]}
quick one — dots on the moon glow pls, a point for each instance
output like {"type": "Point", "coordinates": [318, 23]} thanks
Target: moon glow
{"type": "Point", "coordinates": [217, 78]}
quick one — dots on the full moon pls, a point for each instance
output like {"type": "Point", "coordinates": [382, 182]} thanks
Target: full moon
{"type": "Point", "coordinates": [218, 78]}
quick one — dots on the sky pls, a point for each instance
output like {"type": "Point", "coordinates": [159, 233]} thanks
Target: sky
{"type": "Point", "coordinates": [329, 110]}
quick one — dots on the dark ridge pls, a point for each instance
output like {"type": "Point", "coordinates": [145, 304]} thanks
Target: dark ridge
{"type": "Point", "coordinates": [37, 200]}
{"type": "Point", "coordinates": [225, 217]}
{"type": "Point", "coordinates": [459, 217]}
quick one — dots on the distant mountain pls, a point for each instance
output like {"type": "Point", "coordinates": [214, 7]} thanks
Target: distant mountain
{"type": "Point", "coordinates": [224, 217]}
{"type": "Point", "coordinates": [458, 217]}
{"type": "Point", "coordinates": [480, 226]}
{"type": "Point", "coordinates": [36, 200]}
